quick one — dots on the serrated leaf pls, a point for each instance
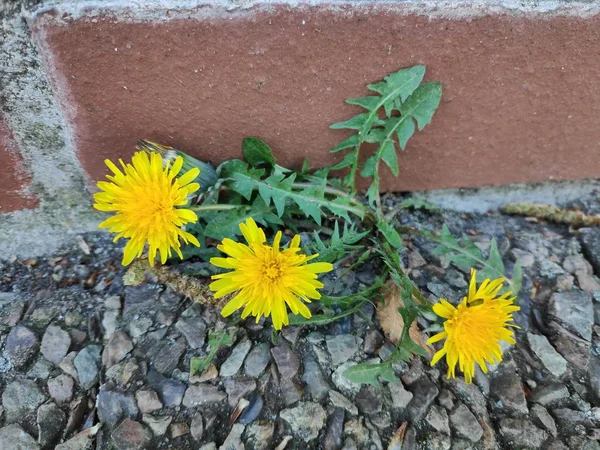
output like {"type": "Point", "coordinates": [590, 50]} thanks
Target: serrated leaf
{"type": "Point", "coordinates": [347, 161]}
{"type": "Point", "coordinates": [517, 278]}
{"type": "Point", "coordinates": [257, 152]}
{"type": "Point", "coordinates": [389, 157]}
{"type": "Point", "coordinates": [373, 192]}
{"type": "Point", "coordinates": [369, 167]}
{"type": "Point", "coordinates": [389, 233]}
{"type": "Point", "coordinates": [370, 373]}
{"type": "Point", "coordinates": [355, 123]}
{"type": "Point", "coordinates": [422, 103]}
{"type": "Point", "coordinates": [366, 102]}
{"type": "Point", "coordinates": [350, 142]}
{"type": "Point", "coordinates": [405, 132]}
{"type": "Point", "coordinates": [339, 243]}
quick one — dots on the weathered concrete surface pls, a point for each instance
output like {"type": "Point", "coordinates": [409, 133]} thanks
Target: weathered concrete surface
{"type": "Point", "coordinates": [14, 180]}
{"type": "Point", "coordinates": [518, 105]}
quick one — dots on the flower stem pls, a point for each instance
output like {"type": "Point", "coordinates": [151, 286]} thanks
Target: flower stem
{"type": "Point", "coordinates": [217, 207]}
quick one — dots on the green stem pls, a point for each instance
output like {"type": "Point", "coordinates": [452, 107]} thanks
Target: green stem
{"type": "Point", "coordinates": [330, 190]}
{"type": "Point", "coordinates": [217, 207]}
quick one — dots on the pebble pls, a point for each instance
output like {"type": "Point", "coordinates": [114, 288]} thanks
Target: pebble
{"type": "Point", "coordinates": [158, 424]}
{"type": "Point", "coordinates": [253, 409]}
{"type": "Point", "coordinates": [116, 349]}
{"type": "Point", "coordinates": [51, 421]}
{"type": "Point", "coordinates": [342, 347]}
{"type": "Point", "coordinates": [286, 360]}
{"type": "Point", "coordinates": [21, 345]}
{"type": "Point", "coordinates": [179, 429]}
{"type": "Point", "coordinates": [316, 383]}
{"type": "Point", "coordinates": [67, 365]}
{"type": "Point", "coordinates": [549, 394]}
{"type": "Point", "coordinates": [194, 331]}
{"type": "Point", "coordinates": [202, 394]}
{"type": "Point", "coordinates": [305, 420]}
{"type": "Point", "coordinates": [166, 355]}
{"type": "Point", "coordinates": [373, 340]}
{"type": "Point", "coordinates": [197, 427]}
{"type": "Point", "coordinates": [21, 397]}
{"type": "Point", "coordinates": [368, 401]}
{"type": "Point", "coordinates": [424, 393]}
{"type": "Point", "coordinates": [112, 406]}
{"type": "Point", "coordinates": [343, 383]}
{"type": "Point", "coordinates": [55, 344]}
{"type": "Point", "coordinates": [139, 327]}
{"type": "Point", "coordinates": [551, 359]}
{"type": "Point", "coordinates": [238, 388]}
{"type": "Point", "coordinates": [234, 439]}
{"type": "Point", "coordinates": [148, 401]}
{"type": "Point", "coordinates": [333, 435]}
{"type": "Point", "coordinates": [339, 401]}
{"type": "Point", "coordinates": [466, 424]}
{"type": "Point", "coordinates": [234, 362]}
{"type": "Point", "coordinates": [437, 418]}
{"type": "Point", "coordinates": [87, 364]}
{"type": "Point", "coordinates": [131, 435]}
{"type": "Point", "coordinates": [400, 396]}
{"type": "Point", "coordinates": [14, 437]}
{"type": "Point", "coordinates": [506, 387]}
{"type": "Point", "coordinates": [41, 369]}
{"type": "Point", "coordinates": [171, 391]}
{"type": "Point", "coordinates": [260, 434]}
{"type": "Point", "coordinates": [61, 388]}
{"type": "Point", "coordinates": [521, 433]}
{"type": "Point", "coordinates": [257, 360]}
{"type": "Point", "coordinates": [542, 417]}
{"type": "Point", "coordinates": [574, 310]}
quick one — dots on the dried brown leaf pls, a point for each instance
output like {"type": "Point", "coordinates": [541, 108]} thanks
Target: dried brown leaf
{"type": "Point", "coordinates": [391, 320]}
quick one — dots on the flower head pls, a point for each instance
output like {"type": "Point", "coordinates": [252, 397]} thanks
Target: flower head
{"type": "Point", "coordinates": [473, 330]}
{"type": "Point", "coordinates": [145, 197]}
{"type": "Point", "coordinates": [267, 280]}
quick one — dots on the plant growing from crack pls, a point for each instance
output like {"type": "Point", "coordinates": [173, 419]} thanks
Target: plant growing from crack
{"type": "Point", "coordinates": [200, 204]}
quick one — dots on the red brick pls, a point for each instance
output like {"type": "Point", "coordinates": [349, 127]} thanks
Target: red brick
{"type": "Point", "coordinates": [13, 176]}
{"type": "Point", "coordinates": [520, 104]}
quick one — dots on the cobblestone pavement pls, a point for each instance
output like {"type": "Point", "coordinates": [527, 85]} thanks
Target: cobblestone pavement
{"type": "Point", "coordinates": [86, 362]}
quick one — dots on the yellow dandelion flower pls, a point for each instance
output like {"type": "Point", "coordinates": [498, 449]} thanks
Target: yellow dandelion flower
{"type": "Point", "coordinates": [145, 197]}
{"type": "Point", "coordinates": [473, 330]}
{"type": "Point", "coordinates": [267, 280]}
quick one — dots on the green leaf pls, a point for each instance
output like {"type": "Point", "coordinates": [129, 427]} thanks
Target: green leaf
{"type": "Point", "coordinates": [257, 152]}
{"type": "Point", "coordinates": [366, 102]}
{"type": "Point", "coordinates": [422, 103]}
{"type": "Point", "coordinates": [366, 373]}
{"type": "Point", "coordinates": [373, 192]}
{"type": "Point", "coordinates": [348, 160]}
{"type": "Point", "coordinates": [517, 278]}
{"type": "Point", "coordinates": [350, 142]}
{"type": "Point", "coordinates": [368, 169]}
{"type": "Point", "coordinates": [389, 233]}
{"type": "Point", "coordinates": [388, 155]}
{"type": "Point", "coordinates": [355, 123]}
{"type": "Point", "coordinates": [404, 132]}
{"type": "Point", "coordinates": [417, 203]}
{"type": "Point", "coordinates": [338, 245]}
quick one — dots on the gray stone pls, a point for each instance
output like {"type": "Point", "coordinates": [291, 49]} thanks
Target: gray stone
{"type": "Point", "coordinates": [446, 399]}
{"type": "Point", "coordinates": [131, 435]}
{"type": "Point", "coordinates": [373, 340]}
{"type": "Point", "coordinates": [21, 397]}
{"type": "Point", "coordinates": [466, 424]}
{"type": "Point", "coordinates": [400, 396]}
{"type": "Point", "coordinates": [209, 446]}
{"type": "Point", "coordinates": [506, 387]}
{"type": "Point", "coordinates": [521, 433]}
{"type": "Point", "coordinates": [286, 360]}
{"type": "Point", "coordinates": [171, 391]}
{"type": "Point", "coordinates": [124, 371]}
{"type": "Point", "coordinates": [590, 243]}
{"type": "Point", "coordinates": [238, 388]}
{"type": "Point", "coordinates": [260, 434]}
{"type": "Point", "coordinates": [342, 347]}
{"type": "Point", "coordinates": [291, 333]}
{"type": "Point", "coordinates": [550, 270]}
{"type": "Point", "coordinates": [197, 427]}
{"type": "Point", "coordinates": [87, 363]}
{"type": "Point", "coordinates": [547, 395]}
{"type": "Point", "coordinates": [148, 401]}
{"type": "Point", "coordinates": [550, 358]}
{"type": "Point", "coordinates": [118, 346]}
{"type": "Point", "coordinates": [51, 421]}
{"type": "Point", "coordinates": [368, 400]}
{"type": "Point", "coordinates": [202, 394]}
{"type": "Point", "coordinates": [113, 406]}
{"type": "Point", "coordinates": [55, 344]}
{"type": "Point", "coordinates": [574, 310]}
{"type": "Point", "coordinates": [67, 365]}
{"type": "Point", "coordinates": [257, 360]}
{"type": "Point", "coordinates": [438, 441]}
{"type": "Point", "coordinates": [574, 349]}
{"type": "Point", "coordinates": [335, 427]}
{"type": "Point", "coordinates": [588, 283]}
{"type": "Point", "coordinates": [343, 383]}
{"type": "Point", "coordinates": [316, 383]}
{"type": "Point", "coordinates": [166, 355]}
{"type": "Point", "coordinates": [234, 438]}
{"type": "Point", "coordinates": [526, 258]}
{"type": "Point", "coordinates": [21, 345]}
{"type": "Point", "coordinates": [13, 437]}
{"type": "Point", "coordinates": [339, 401]}
{"type": "Point", "coordinates": [234, 362]}
{"type": "Point", "coordinates": [437, 418]}
{"type": "Point", "coordinates": [415, 260]}
{"type": "Point", "coordinates": [594, 375]}
{"type": "Point", "coordinates": [424, 393]}
{"type": "Point", "coordinates": [305, 420]}
{"type": "Point", "coordinates": [542, 417]}
{"type": "Point", "coordinates": [455, 278]}
{"type": "Point", "coordinates": [40, 370]}
{"type": "Point", "coordinates": [158, 424]}
{"type": "Point", "coordinates": [577, 263]}
{"type": "Point", "coordinates": [571, 421]}
{"type": "Point", "coordinates": [194, 331]}
{"type": "Point", "coordinates": [61, 388]}
{"type": "Point", "coordinates": [139, 327]}
{"type": "Point", "coordinates": [291, 392]}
